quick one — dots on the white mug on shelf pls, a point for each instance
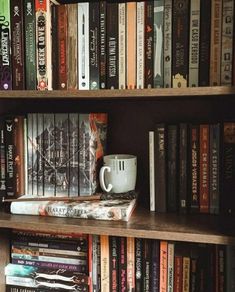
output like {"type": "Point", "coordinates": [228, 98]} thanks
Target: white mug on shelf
{"type": "Point", "coordinates": [118, 175]}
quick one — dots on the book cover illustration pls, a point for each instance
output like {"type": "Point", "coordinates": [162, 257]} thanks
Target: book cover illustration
{"type": "Point", "coordinates": [101, 210]}
{"type": "Point", "coordinates": [36, 277]}
{"type": "Point", "coordinates": [92, 146]}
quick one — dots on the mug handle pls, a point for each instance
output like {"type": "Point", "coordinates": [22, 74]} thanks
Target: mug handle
{"type": "Point", "coordinates": [102, 183]}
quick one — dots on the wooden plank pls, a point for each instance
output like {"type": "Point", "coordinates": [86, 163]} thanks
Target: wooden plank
{"type": "Point", "coordinates": [4, 256]}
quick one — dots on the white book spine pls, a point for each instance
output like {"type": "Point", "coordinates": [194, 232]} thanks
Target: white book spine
{"type": "Point", "coordinates": [83, 46]}
{"type": "Point", "coordinates": [167, 43]}
{"type": "Point", "coordinates": [140, 45]}
{"type": "Point", "coordinates": [227, 42]}
{"type": "Point", "coordinates": [194, 43]}
{"type": "Point", "coordinates": [151, 171]}
{"type": "Point", "coordinates": [170, 274]}
{"type": "Point", "coordinates": [122, 44]}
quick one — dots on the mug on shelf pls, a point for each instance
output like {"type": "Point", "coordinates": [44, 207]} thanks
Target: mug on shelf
{"type": "Point", "coordinates": [118, 175]}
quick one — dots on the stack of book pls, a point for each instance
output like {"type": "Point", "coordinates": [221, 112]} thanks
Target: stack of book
{"type": "Point", "coordinates": [113, 44]}
{"type": "Point", "coordinates": [192, 168]}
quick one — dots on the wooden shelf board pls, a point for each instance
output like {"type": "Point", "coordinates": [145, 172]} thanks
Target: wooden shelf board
{"type": "Point", "coordinates": [143, 94]}
{"type": "Point", "coordinates": [145, 224]}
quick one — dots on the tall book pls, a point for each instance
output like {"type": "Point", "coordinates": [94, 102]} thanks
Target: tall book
{"type": "Point", "coordinates": [155, 267]}
{"type": "Point", "coordinates": [158, 70]}
{"type": "Point", "coordinates": [186, 274]}
{"type": "Point", "coordinates": [139, 244]}
{"type": "Point", "coordinates": [35, 153]}
{"type": "Point", "coordinates": [170, 266]}
{"type": "Point", "coordinates": [204, 44]}
{"type": "Point", "coordinates": [94, 47]}
{"type": "Point", "coordinates": [114, 263]}
{"type": "Point", "coordinates": [2, 159]}
{"type": "Point", "coordinates": [130, 264]}
{"type": "Point", "coordinates": [103, 49]}
{"type": "Point", "coordinates": [5, 52]}
{"type": "Point", "coordinates": [160, 171]}
{"type": "Point", "coordinates": [83, 46]}
{"type": "Point", "coordinates": [17, 45]}
{"type": "Point", "coordinates": [140, 12]}
{"type": "Point", "coordinates": [122, 273]}
{"type": "Point", "coordinates": [122, 44]}
{"type": "Point", "coordinates": [149, 43]}
{"type": "Point", "coordinates": [167, 43]}
{"type": "Point", "coordinates": [43, 44]}
{"type": "Point", "coordinates": [163, 265]}
{"type": "Point", "coordinates": [29, 154]}
{"type": "Point", "coordinates": [131, 44]}
{"type": "Point", "coordinates": [112, 45]}
{"type": "Point", "coordinates": [147, 248]}
{"type": "Point", "coordinates": [180, 41]}
{"type": "Point", "coordinates": [96, 272]}
{"type": "Point", "coordinates": [30, 44]}
{"type": "Point", "coordinates": [194, 41]}
{"type": "Point", "coordinates": [40, 168]}
{"type": "Point", "coordinates": [215, 53]}
{"type": "Point", "coordinates": [151, 171]}
{"type": "Point", "coordinates": [227, 42]}
{"type": "Point", "coordinates": [54, 46]}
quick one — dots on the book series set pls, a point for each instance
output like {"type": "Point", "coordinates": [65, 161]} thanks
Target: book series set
{"type": "Point", "coordinates": [77, 262]}
{"type": "Point", "coordinates": [116, 44]}
{"type": "Point", "coordinates": [192, 168]}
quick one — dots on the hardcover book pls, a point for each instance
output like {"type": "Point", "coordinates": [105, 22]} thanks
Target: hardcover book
{"type": "Point", "coordinates": [103, 49]}
{"type": "Point", "coordinates": [100, 210]}
{"type": "Point", "coordinates": [104, 260]}
{"type": "Point", "coordinates": [114, 263]}
{"type": "Point", "coordinates": [139, 257]}
{"type": "Point", "coordinates": [2, 159]}
{"type": "Point", "coordinates": [122, 44]}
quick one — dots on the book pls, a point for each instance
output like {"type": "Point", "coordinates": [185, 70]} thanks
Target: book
{"type": "Point", "coordinates": [5, 52]}
{"type": "Point", "coordinates": [155, 267]}
{"type": "Point", "coordinates": [170, 266]}
{"type": "Point", "coordinates": [100, 210]}
{"type": "Point", "coordinates": [163, 265]}
{"type": "Point", "coordinates": [96, 272]}
{"type": "Point", "coordinates": [186, 274]}
{"type": "Point", "coordinates": [122, 263]}
{"type": "Point", "coordinates": [114, 263]}
{"type": "Point", "coordinates": [2, 159]}
{"type": "Point", "coordinates": [151, 171]}
{"type": "Point", "coordinates": [54, 46]}
{"type": "Point", "coordinates": [139, 264]}
{"type": "Point", "coordinates": [103, 49]}
{"type": "Point", "coordinates": [147, 253]}
{"type": "Point", "coordinates": [104, 260]}
{"type": "Point", "coordinates": [122, 44]}
{"type": "Point", "coordinates": [130, 264]}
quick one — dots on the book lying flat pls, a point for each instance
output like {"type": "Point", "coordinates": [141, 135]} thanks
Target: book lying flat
{"type": "Point", "coordinates": [113, 209]}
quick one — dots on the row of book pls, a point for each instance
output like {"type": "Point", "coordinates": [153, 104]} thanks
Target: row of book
{"type": "Point", "coordinates": [113, 44]}
{"type": "Point", "coordinates": [192, 168]}
{"type": "Point", "coordinates": [43, 262]}
{"type": "Point", "coordinates": [51, 154]}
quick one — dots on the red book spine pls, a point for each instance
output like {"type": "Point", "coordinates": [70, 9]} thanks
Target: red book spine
{"type": "Point", "coordinates": [163, 266]}
{"type": "Point", "coordinates": [178, 270]}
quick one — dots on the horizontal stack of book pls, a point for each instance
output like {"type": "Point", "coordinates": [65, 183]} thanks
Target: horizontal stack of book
{"type": "Point", "coordinates": [113, 44]}
{"type": "Point", "coordinates": [103, 263]}
{"type": "Point", "coordinates": [192, 168]}
{"type": "Point", "coordinates": [47, 262]}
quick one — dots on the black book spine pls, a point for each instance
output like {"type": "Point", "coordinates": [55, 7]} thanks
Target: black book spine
{"type": "Point", "coordinates": [112, 45]}
{"type": "Point", "coordinates": [155, 267]}
{"type": "Point", "coordinates": [122, 264]}
{"type": "Point", "coordinates": [204, 44]}
{"type": "Point", "coordinates": [103, 52]}
{"type": "Point", "coordinates": [55, 55]}
{"type": "Point", "coordinates": [147, 264]}
{"type": "Point", "coordinates": [149, 43]}
{"type": "Point", "coordinates": [139, 264]}
{"type": "Point", "coordinates": [2, 159]}
{"type": "Point", "coordinates": [113, 265]}
{"type": "Point", "coordinates": [172, 156]}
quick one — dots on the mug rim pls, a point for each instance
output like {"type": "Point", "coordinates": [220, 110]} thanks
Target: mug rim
{"type": "Point", "coordinates": [119, 156]}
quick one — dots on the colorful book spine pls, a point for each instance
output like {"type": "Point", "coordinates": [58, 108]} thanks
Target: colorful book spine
{"type": "Point", "coordinates": [5, 52]}
{"type": "Point", "coordinates": [30, 44]}
{"type": "Point", "coordinates": [17, 45]}
{"type": "Point", "coordinates": [167, 43]}
{"type": "Point", "coordinates": [158, 69]}
{"type": "Point", "coordinates": [194, 40]}
{"type": "Point", "coordinates": [140, 12]}
{"type": "Point", "coordinates": [103, 49]}
{"type": "Point", "coordinates": [178, 273]}
{"type": "Point", "coordinates": [122, 42]}
{"type": "Point", "coordinates": [180, 48]}
{"type": "Point", "coordinates": [163, 265]}
{"type": "Point", "coordinates": [94, 47]}
{"type": "Point", "coordinates": [186, 274]}
{"type": "Point", "coordinates": [83, 46]}
{"type": "Point", "coordinates": [130, 264]}
{"type": "Point", "coordinates": [104, 259]}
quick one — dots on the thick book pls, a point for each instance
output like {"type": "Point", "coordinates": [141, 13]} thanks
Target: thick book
{"type": "Point", "coordinates": [101, 210]}
{"type": "Point", "coordinates": [122, 44]}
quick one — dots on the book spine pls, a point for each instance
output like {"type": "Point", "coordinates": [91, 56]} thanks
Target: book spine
{"type": "Point", "coordinates": [30, 44]}
{"type": "Point", "coordinates": [131, 45]}
{"type": "Point", "coordinates": [167, 43]}
{"type": "Point", "coordinates": [178, 273]}
{"type": "Point", "coordinates": [227, 42]}
{"type": "Point", "coordinates": [194, 40]}
{"type": "Point", "coordinates": [103, 49]}
{"type": "Point", "coordinates": [214, 168]}
{"type": "Point", "coordinates": [149, 43]}
{"type": "Point", "coordinates": [183, 168]}
{"type": "Point", "coordinates": [194, 168]}
{"type": "Point", "coordinates": [17, 45]}
{"type": "Point", "coordinates": [62, 31]}
{"type": "Point", "coordinates": [204, 168]}
{"type": "Point", "coordinates": [15, 288]}
{"type": "Point", "coordinates": [215, 53]}
{"type": "Point", "coordinates": [158, 26]}
{"type": "Point", "coordinates": [94, 30]}
{"type": "Point", "coordinates": [122, 264]}
{"type": "Point", "coordinates": [113, 263]}
{"type": "Point", "coordinates": [83, 46]}
{"type": "Point", "coordinates": [104, 259]}
{"type": "Point", "coordinates": [155, 268]}
{"type": "Point", "coordinates": [2, 159]}
{"type": "Point", "coordinates": [96, 263]}
{"type": "Point", "coordinates": [130, 264]}
{"type": "Point", "coordinates": [139, 264]}
{"type": "Point", "coordinates": [122, 23]}
{"type": "Point", "coordinates": [55, 55]}
{"type": "Point", "coordinates": [151, 171]}
{"type": "Point", "coordinates": [35, 153]}
{"type": "Point", "coordinates": [147, 247]}
{"type": "Point", "coordinates": [112, 45]}
{"type": "Point", "coordinates": [186, 274]}
{"type": "Point", "coordinates": [230, 267]}
{"type": "Point", "coordinates": [221, 268]}
{"type": "Point", "coordinates": [5, 52]}
{"type": "Point", "coordinates": [163, 265]}
{"type": "Point", "coordinates": [40, 182]}
{"type": "Point", "coordinates": [228, 169]}
{"type": "Point", "coordinates": [180, 46]}
{"type": "Point", "coordinates": [204, 43]}
{"type": "Point", "coordinates": [30, 154]}
{"type": "Point", "coordinates": [73, 155]}
{"type": "Point", "coordinates": [170, 267]}
{"type": "Point", "coordinates": [25, 139]}
{"type": "Point", "coordinates": [172, 169]}
{"type": "Point", "coordinates": [72, 46]}
{"type": "Point", "coordinates": [160, 172]}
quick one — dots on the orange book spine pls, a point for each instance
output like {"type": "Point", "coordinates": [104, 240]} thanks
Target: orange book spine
{"type": "Point", "coordinates": [104, 258]}
{"type": "Point", "coordinates": [130, 263]}
{"type": "Point", "coordinates": [163, 266]}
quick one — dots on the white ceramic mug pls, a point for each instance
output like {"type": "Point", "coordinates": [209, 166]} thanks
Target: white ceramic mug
{"type": "Point", "coordinates": [118, 175]}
